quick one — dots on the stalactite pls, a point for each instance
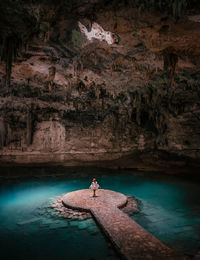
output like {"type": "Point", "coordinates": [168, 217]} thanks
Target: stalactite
{"type": "Point", "coordinates": [170, 63]}
{"type": "Point", "coordinates": [178, 6]}
{"type": "Point", "coordinates": [138, 108]}
{"type": "Point", "coordinates": [174, 7]}
{"type": "Point", "coordinates": [29, 128]}
{"type": "Point", "coordinates": [3, 133]}
{"type": "Point", "coordinates": [9, 50]}
{"type": "Point", "coordinates": [8, 65]}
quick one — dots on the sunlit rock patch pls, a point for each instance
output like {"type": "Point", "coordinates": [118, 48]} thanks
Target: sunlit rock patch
{"type": "Point", "coordinates": [97, 32]}
{"type": "Point", "coordinates": [194, 18]}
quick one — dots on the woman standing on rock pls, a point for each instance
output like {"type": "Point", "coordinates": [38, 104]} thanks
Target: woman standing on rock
{"type": "Point", "coordinates": [94, 186]}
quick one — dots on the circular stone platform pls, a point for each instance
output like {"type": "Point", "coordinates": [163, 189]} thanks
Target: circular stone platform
{"type": "Point", "coordinates": [83, 199]}
{"type": "Point", "coordinates": [130, 239]}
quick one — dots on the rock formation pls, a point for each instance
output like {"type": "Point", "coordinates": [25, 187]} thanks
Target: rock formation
{"type": "Point", "coordinates": [112, 83]}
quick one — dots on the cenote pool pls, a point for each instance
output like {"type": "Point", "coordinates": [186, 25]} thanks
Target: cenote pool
{"type": "Point", "coordinates": [31, 229]}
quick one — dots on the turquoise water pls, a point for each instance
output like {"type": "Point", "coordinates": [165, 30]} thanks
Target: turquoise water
{"type": "Point", "coordinates": [30, 229]}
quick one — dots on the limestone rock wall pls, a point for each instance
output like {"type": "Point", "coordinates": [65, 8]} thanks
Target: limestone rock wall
{"type": "Point", "coordinates": [70, 95]}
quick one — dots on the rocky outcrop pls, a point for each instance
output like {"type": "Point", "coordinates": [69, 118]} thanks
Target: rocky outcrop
{"type": "Point", "coordinates": [77, 99]}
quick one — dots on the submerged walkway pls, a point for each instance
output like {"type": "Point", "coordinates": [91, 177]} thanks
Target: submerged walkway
{"type": "Point", "coordinates": [129, 238]}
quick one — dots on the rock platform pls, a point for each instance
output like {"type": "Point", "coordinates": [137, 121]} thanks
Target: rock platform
{"type": "Point", "coordinates": [129, 238]}
{"type": "Point", "coordinates": [74, 214]}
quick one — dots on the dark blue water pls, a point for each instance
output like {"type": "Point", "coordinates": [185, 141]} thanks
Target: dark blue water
{"type": "Point", "coordinates": [30, 229]}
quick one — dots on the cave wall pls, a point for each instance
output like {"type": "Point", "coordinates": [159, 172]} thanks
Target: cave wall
{"type": "Point", "coordinates": [71, 99]}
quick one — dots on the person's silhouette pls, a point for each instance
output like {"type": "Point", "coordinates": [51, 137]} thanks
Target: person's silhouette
{"type": "Point", "coordinates": [94, 186]}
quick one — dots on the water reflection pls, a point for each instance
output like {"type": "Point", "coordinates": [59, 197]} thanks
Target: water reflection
{"type": "Point", "coordinates": [29, 228]}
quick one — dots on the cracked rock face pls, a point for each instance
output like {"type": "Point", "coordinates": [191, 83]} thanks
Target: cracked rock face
{"type": "Point", "coordinates": [74, 99]}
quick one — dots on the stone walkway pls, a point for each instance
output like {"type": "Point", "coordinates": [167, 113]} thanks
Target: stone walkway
{"type": "Point", "coordinates": [129, 238]}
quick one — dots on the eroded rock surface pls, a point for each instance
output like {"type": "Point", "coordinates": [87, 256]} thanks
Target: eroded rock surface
{"type": "Point", "coordinates": [76, 100]}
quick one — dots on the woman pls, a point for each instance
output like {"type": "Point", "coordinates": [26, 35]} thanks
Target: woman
{"type": "Point", "coordinates": [94, 186]}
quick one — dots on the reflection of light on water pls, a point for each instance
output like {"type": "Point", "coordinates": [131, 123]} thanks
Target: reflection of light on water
{"type": "Point", "coordinates": [170, 210]}
{"type": "Point", "coordinates": [28, 224]}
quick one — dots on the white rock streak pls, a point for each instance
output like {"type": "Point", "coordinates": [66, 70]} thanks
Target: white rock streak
{"type": "Point", "coordinates": [194, 18]}
{"type": "Point", "coordinates": [96, 32]}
